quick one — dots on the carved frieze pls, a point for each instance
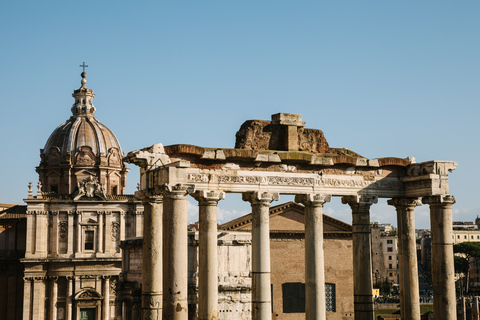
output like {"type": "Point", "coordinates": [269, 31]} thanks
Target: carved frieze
{"type": "Point", "coordinates": [113, 158]}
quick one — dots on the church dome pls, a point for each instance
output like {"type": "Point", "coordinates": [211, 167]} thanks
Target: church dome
{"type": "Point", "coordinates": [84, 144]}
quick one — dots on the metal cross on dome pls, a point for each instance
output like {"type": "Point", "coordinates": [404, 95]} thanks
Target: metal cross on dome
{"type": "Point", "coordinates": [83, 66]}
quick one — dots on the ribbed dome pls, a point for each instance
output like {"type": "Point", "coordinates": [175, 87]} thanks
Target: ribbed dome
{"type": "Point", "coordinates": [82, 147]}
{"type": "Point", "coordinates": [78, 132]}
{"type": "Point", "coordinates": [82, 135]}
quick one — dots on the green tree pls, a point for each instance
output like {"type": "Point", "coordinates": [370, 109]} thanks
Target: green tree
{"type": "Point", "coordinates": [464, 252]}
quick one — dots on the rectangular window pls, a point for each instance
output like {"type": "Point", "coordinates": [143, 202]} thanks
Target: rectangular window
{"type": "Point", "coordinates": [464, 237]}
{"type": "Point", "coordinates": [389, 241]}
{"type": "Point", "coordinates": [89, 235]}
{"type": "Point", "coordinates": [390, 266]}
{"type": "Point", "coordinates": [389, 249]}
{"type": "Point", "coordinates": [458, 236]}
{"type": "Point", "coordinates": [389, 257]}
{"type": "Point", "coordinates": [293, 297]}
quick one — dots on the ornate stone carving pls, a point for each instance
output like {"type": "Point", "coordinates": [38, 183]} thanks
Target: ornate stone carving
{"type": "Point", "coordinates": [113, 157]}
{"type": "Point", "coordinates": [262, 197]}
{"type": "Point", "coordinates": [313, 198]}
{"type": "Point", "coordinates": [114, 231]}
{"type": "Point", "coordinates": [53, 156]}
{"type": "Point", "coordinates": [90, 188]}
{"type": "Point", "coordinates": [63, 231]}
{"type": "Point", "coordinates": [431, 167]}
{"type": "Point", "coordinates": [85, 156]}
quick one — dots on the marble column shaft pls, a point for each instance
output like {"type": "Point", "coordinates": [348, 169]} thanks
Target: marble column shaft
{"type": "Point", "coordinates": [407, 257]}
{"type": "Point", "coordinates": [362, 259]}
{"type": "Point", "coordinates": [315, 308]}
{"type": "Point", "coordinates": [443, 271]}
{"type": "Point", "coordinates": [261, 290]}
{"type": "Point", "coordinates": [175, 252]}
{"type": "Point", "coordinates": [208, 257]}
{"type": "Point", "coordinates": [152, 287]}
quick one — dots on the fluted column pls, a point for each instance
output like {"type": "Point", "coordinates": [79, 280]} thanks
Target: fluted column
{"type": "Point", "coordinates": [152, 287]}
{"type": "Point", "coordinates": [261, 290]}
{"type": "Point", "coordinates": [362, 259]}
{"type": "Point", "coordinates": [53, 298]}
{"type": "Point", "coordinates": [443, 272]}
{"type": "Point", "coordinates": [27, 298]}
{"type": "Point", "coordinates": [407, 257]}
{"type": "Point", "coordinates": [175, 251]}
{"type": "Point", "coordinates": [208, 268]}
{"type": "Point", "coordinates": [106, 298]}
{"type": "Point", "coordinates": [314, 256]}
{"type": "Point", "coordinates": [68, 298]}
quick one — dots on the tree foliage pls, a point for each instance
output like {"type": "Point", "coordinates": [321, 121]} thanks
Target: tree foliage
{"type": "Point", "coordinates": [468, 249]}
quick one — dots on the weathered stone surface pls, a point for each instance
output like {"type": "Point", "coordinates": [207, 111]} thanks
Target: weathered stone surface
{"type": "Point", "coordinates": [265, 135]}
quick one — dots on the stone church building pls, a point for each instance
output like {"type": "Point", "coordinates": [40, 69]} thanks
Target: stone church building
{"type": "Point", "coordinates": [76, 220]}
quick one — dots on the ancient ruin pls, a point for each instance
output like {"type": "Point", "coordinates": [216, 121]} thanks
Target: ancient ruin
{"type": "Point", "coordinates": [282, 157]}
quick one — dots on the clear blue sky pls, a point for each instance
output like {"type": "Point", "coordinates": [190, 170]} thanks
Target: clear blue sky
{"type": "Point", "coordinates": [382, 78]}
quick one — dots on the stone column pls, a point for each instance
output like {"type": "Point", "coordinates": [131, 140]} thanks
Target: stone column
{"type": "Point", "coordinates": [208, 261]}
{"type": "Point", "coordinates": [68, 298]}
{"type": "Point", "coordinates": [175, 252]}
{"type": "Point", "coordinates": [261, 290]}
{"type": "Point", "coordinates": [38, 309]}
{"type": "Point", "coordinates": [314, 256]}
{"type": "Point", "coordinates": [362, 259]}
{"type": "Point", "coordinates": [152, 258]}
{"type": "Point", "coordinates": [100, 232]}
{"type": "Point", "coordinates": [27, 298]}
{"type": "Point", "coordinates": [53, 298]}
{"type": "Point", "coordinates": [70, 233]}
{"type": "Point", "coordinates": [407, 257]}
{"type": "Point", "coordinates": [443, 273]}
{"type": "Point", "coordinates": [106, 298]}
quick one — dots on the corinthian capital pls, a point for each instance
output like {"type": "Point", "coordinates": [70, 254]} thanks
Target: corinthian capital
{"type": "Point", "coordinates": [176, 190]}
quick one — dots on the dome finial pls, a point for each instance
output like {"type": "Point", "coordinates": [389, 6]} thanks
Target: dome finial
{"type": "Point", "coordinates": [84, 75]}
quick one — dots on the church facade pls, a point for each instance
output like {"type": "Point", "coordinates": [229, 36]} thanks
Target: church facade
{"type": "Point", "coordinates": [76, 220]}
